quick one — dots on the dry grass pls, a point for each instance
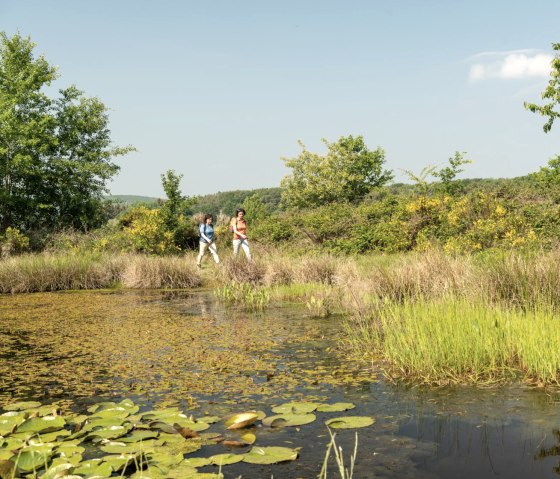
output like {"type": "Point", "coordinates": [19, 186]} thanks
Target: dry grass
{"type": "Point", "coordinates": [240, 270]}
{"type": "Point", "coordinates": [55, 272]}
{"type": "Point", "coordinates": [148, 272]}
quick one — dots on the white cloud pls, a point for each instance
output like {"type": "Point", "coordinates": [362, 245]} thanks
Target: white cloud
{"type": "Point", "coordinates": [510, 65]}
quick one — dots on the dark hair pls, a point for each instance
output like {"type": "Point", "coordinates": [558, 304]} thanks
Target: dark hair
{"type": "Point", "coordinates": [239, 210]}
{"type": "Point", "coordinates": [206, 217]}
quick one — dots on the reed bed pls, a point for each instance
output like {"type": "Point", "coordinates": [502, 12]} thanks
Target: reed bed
{"type": "Point", "coordinates": [56, 272]}
{"type": "Point", "coordinates": [456, 341]}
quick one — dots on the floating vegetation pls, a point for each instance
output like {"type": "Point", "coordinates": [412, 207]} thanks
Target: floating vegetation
{"type": "Point", "coordinates": [131, 344]}
{"type": "Point", "coordinates": [117, 439]}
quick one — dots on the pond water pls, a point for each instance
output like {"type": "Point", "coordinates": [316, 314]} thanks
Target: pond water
{"type": "Point", "coordinates": [185, 349]}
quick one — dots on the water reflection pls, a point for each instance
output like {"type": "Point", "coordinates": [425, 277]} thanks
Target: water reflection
{"type": "Point", "coordinates": [184, 348]}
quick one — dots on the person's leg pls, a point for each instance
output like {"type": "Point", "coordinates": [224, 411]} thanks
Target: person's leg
{"type": "Point", "coordinates": [236, 243]}
{"type": "Point", "coordinates": [214, 252]}
{"type": "Point", "coordinates": [201, 251]}
{"type": "Point", "coordinates": [245, 245]}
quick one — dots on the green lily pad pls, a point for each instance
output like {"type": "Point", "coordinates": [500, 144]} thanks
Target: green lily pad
{"type": "Point", "coordinates": [249, 438]}
{"type": "Point", "coordinates": [140, 435]}
{"type": "Point", "coordinates": [350, 422]}
{"type": "Point", "coordinates": [241, 420]}
{"type": "Point", "coordinates": [32, 459]}
{"type": "Point", "coordinates": [42, 424]}
{"type": "Point", "coordinates": [270, 455]}
{"type": "Point", "coordinates": [336, 407]}
{"type": "Point", "coordinates": [295, 408]}
{"type": "Point", "coordinates": [225, 459]}
{"type": "Point", "coordinates": [9, 421]}
{"type": "Point", "coordinates": [115, 447]}
{"type": "Point", "coordinates": [286, 420]}
{"type": "Point", "coordinates": [94, 467]}
{"type": "Point", "coordinates": [197, 461]}
{"type": "Point", "coordinates": [209, 419]}
{"type": "Point", "coordinates": [21, 406]}
{"type": "Point", "coordinates": [112, 432]}
{"type": "Point", "coordinates": [58, 470]}
{"type": "Point", "coordinates": [181, 471]}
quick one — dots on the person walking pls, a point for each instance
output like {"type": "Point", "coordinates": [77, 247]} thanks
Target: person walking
{"type": "Point", "coordinates": [207, 240]}
{"type": "Point", "coordinates": [238, 226]}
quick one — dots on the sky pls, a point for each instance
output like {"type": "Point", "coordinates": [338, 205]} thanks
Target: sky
{"type": "Point", "coordinates": [221, 91]}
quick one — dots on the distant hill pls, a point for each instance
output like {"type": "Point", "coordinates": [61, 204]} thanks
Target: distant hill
{"type": "Point", "coordinates": [133, 199]}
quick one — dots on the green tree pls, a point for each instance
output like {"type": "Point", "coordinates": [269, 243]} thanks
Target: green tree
{"type": "Point", "coordinates": [55, 154]}
{"type": "Point", "coordinates": [348, 172]}
{"type": "Point", "coordinates": [255, 209]}
{"type": "Point", "coordinates": [449, 174]}
{"type": "Point", "coordinates": [551, 92]}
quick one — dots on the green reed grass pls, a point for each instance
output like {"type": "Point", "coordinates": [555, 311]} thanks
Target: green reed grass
{"type": "Point", "coordinates": [449, 341]}
{"type": "Point", "coordinates": [245, 295]}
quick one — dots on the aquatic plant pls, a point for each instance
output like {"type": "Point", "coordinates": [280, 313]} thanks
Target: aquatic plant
{"type": "Point", "coordinates": [40, 441]}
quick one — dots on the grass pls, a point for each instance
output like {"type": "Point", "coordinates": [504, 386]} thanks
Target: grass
{"type": "Point", "coordinates": [459, 341]}
{"type": "Point", "coordinates": [432, 317]}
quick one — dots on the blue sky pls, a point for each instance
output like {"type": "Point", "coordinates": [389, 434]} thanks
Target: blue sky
{"type": "Point", "coordinates": [220, 91]}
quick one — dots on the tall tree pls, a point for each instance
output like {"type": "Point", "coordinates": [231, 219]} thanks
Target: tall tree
{"type": "Point", "coordinates": [55, 154]}
{"type": "Point", "coordinates": [551, 92]}
{"type": "Point", "coordinates": [348, 172]}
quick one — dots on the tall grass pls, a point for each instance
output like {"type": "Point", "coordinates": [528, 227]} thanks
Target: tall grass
{"type": "Point", "coordinates": [453, 340]}
{"type": "Point", "coordinates": [54, 272]}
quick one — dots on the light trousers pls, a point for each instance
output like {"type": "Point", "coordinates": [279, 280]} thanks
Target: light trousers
{"type": "Point", "coordinates": [244, 244]}
{"type": "Point", "coordinates": [212, 248]}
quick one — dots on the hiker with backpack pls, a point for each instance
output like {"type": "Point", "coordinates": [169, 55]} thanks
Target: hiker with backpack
{"type": "Point", "coordinates": [238, 226]}
{"type": "Point", "coordinates": [207, 240]}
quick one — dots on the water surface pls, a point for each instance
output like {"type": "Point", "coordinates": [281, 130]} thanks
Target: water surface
{"type": "Point", "coordinates": [185, 349]}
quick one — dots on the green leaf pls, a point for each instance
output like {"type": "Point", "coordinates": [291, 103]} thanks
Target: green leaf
{"type": "Point", "coordinates": [225, 459]}
{"type": "Point", "coordinates": [42, 424]}
{"type": "Point", "coordinates": [57, 471]}
{"type": "Point", "coordinates": [286, 420]}
{"type": "Point", "coordinates": [270, 455]}
{"type": "Point", "coordinates": [295, 408]}
{"type": "Point", "coordinates": [33, 459]}
{"type": "Point", "coordinates": [336, 407]}
{"type": "Point", "coordinates": [350, 422]}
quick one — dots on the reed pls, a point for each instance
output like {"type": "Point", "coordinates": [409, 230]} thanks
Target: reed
{"type": "Point", "coordinates": [456, 341]}
{"type": "Point", "coordinates": [72, 271]}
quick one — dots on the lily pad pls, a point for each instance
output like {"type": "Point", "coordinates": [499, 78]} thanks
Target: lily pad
{"type": "Point", "coordinates": [225, 459]}
{"type": "Point", "coordinates": [32, 459]}
{"type": "Point", "coordinates": [94, 467]}
{"type": "Point", "coordinates": [336, 407]}
{"type": "Point", "coordinates": [42, 424]}
{"type": "Point", "coordinates": [270, 455]}
{"type": "Point", "coordinates": [287, 420]}
{"type": "Point", "coordinates": [350, 422]}
{"type": "Point", "coordinates": [59, 470]}
{"type": "Point", "coordinates": [197, 461]}
{"type": "Point", "coordinates": [295, 408]}
{"type": "Point", "coordinates": [239, 421]}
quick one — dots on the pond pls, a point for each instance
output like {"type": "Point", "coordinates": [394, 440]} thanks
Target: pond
{"type": "Point", "coordinates": [185, 349]}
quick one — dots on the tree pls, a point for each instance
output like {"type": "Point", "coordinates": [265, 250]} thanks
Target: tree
{"type": "Point", "coordinates": [55, 154]}
{"type": "Point", "coordinates": [348, 172]}
{"type": "Point", "coordinates": [551, 92]}
{"type": "Point", "coordinates": [448, 174]}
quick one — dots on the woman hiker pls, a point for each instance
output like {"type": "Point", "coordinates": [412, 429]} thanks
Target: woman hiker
{"type": "Point", "coordinates": [239, 227]}
{"type": "Point", "coordinates": [207, 240]}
